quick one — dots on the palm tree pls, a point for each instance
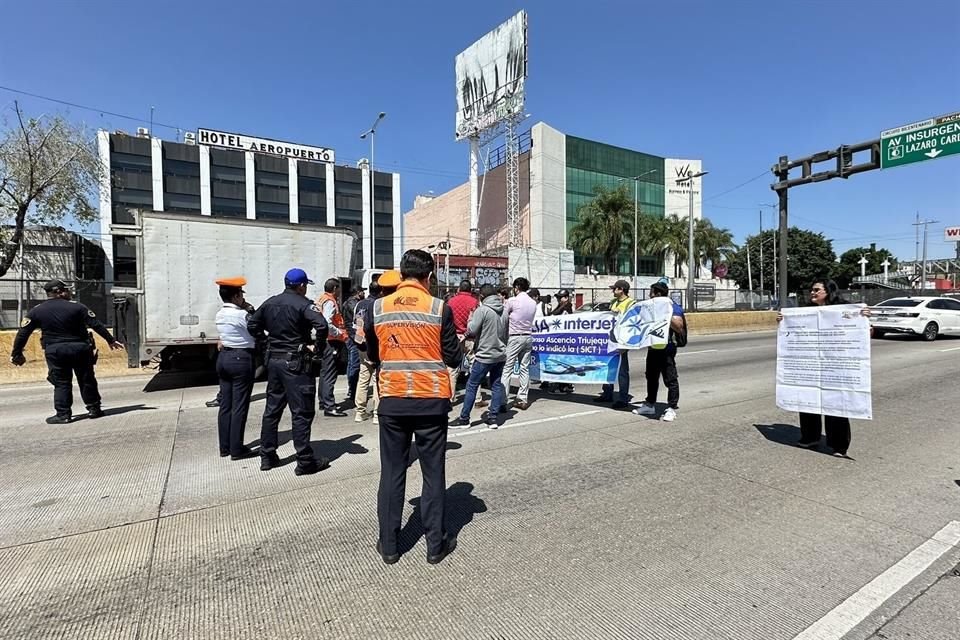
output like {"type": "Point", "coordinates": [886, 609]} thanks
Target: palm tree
{"type": "Point", "coordinates": [603, 224]}
{"type": "Point", "coordinates": [711, 243]}
{"type": "Point", "coordinates": [676, 240]}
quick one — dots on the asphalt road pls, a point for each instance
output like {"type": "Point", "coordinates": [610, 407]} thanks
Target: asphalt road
{"type": "Point", "coordinates": [573, 521]}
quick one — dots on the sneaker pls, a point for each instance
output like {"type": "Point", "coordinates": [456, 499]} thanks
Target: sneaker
{"type": "Point", "coordinates": [492, 424]}
{"type": "Point", "coordinates": [813, 444]}
{"type": "Point", "coordinates": [645, 409]}
{"type": "Point", "coordinates": [459, 423]}
{"type": "Point", "coordinates": [669, 415]}
{"type": "Point", "coordinates": [360, 417]}
{"type": "Point", "coordinates": [376, 420]}
{"type": "Point", "coordinates": [59, 419]}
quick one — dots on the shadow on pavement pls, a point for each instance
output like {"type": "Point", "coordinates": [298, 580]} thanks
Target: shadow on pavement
{"type": "Point", "coordinates": [168, 380]}
{"type": "Point", "coordinates": [333, 449]}
{"type": "Point", "coordinates": [957, 482]}
{"type": "Point", "coordinates": [786, 434]}
{"type": "Point", "coordinates": [116, 411]}
{"type": "Point", "coordinates": [461, 505]}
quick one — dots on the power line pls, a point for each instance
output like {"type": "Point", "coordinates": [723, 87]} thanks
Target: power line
{"type": "Point", "coordinates": [742, 184]}
{"type": "Point", "coordinates": [87, 108]}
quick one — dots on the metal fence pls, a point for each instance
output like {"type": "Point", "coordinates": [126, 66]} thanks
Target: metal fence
{"type": "Point", "coordinates": [18, 296]}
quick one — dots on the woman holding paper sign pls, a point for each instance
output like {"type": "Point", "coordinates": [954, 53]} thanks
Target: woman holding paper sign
{"type": "Point", "coordinates": [824, 292]}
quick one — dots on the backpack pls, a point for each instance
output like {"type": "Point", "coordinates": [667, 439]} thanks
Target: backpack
{"type": "Point", "coordinates": [680, 339]}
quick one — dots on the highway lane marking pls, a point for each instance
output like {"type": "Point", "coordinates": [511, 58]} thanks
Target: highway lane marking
{"type": "Point", "coordinates": [953, 349]}
{"type": "Point", "coordinates": [511, 425]}
{"type": "Point", "coordinates": [855, 609]}
{"type": "Point", "coordinates": [693, 353]}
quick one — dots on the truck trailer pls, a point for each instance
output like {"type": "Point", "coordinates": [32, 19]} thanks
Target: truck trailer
{"type": "Point", "coordinates": [169, 314]}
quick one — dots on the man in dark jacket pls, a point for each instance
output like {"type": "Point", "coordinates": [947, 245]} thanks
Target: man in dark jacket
{"type": "Point", "coordinates": [68, 348]}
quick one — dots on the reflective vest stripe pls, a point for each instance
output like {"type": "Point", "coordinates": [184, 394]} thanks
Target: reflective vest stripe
{"type": "Point", "coordinates": [409, 316]}
{"type": "Point", "coordinates": [415, 365]}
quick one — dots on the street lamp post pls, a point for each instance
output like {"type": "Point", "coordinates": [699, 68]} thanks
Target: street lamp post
{"type": "Point", "coordinates": [372, 132]}
{"type": "Point", "coordinates": [691, 260]}
{"type": "Point", "coordinates": [636, 220]}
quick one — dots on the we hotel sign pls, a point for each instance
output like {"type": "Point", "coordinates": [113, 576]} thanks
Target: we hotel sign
{"type": "Point", "coordinates": [239, 142]}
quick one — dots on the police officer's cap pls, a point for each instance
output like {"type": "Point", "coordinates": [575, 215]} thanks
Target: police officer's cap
{"type": "Point", "coordinates": [296, 277]}
{"type": "Point", "coordinates": [55, 285]}
{"type": "Point", "coordinates": [237, 282]}
{"type": "Point", "coordinates": [390, 278]}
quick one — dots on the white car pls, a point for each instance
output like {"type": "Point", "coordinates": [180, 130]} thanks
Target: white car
{"type": "Point", "coordinates": [921, 316]}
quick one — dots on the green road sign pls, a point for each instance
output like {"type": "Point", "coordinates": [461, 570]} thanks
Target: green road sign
{"type": "Point", "coordinates": [927, 140]}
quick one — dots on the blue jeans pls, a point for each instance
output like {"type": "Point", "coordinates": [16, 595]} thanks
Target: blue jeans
{"type": "Point", "coordinates": [353, 368]}
{"type": "Point", "coordinates": [478, 372]}
{"type": "Point", "coordinates": [623, 380]}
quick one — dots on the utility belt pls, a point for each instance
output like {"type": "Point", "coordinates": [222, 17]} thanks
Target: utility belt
{"type": "Point", "coordinates": [301, 361]}
{"type": "Point", "coordinates": [250, 350]}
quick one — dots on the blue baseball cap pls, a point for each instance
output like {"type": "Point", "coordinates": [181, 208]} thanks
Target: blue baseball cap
{"type": "Point", "coordinates": [296, 277]}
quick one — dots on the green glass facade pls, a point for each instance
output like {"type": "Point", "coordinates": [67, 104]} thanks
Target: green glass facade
{"type": "Point", "coordinates": [593, 163]}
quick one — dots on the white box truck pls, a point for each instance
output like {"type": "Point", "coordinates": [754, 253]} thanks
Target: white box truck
{"type": "Point", "coordinates": [170, 313]}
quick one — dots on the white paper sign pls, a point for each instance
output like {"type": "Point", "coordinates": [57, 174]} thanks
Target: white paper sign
{"type": "Point", "coordinates": [823, 361]}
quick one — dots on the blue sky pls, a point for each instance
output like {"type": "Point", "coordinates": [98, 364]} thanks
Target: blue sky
{"type": "Point", "coordinates": [735, 82]}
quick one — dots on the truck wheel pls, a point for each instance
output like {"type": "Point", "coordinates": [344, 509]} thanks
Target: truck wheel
{"type": "Point", "coordinates": [930, 332]}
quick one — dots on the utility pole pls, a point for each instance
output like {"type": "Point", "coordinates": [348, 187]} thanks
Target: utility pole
{"type": "Point", "coordinates": [923, 272]}
{"type": "Point", "coordinates": [691, 259]}
{"type": "Point", "coordinates": [750, 275]}
{"type": "Point", "coordinates": [446, 259]}
{"type": "Point", "coordinates": [761, 255]}
{"type": "Point", "coordinates": [776, 285]}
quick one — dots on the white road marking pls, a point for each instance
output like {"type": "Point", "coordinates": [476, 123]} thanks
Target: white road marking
{"type": "Point", "coordinates": [511, 425]}
{"type": "Point", "coordinates": [693, 353]}
{"type": "Point", "coordinates": [953, 349]}
{"type": "Point", "coordinates": [857, 607]}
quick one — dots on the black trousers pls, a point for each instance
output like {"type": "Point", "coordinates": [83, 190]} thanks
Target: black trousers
{"type": "Point", "coordinates": [328, 377]}
{"type": "Point", "coordinates": [65, 359]}
{"type": "Point", "coordinates": [235, 369]}
{"type": "Point", "coordinates": [663, 363]}
{"type": "Point", "coordinates": [396, 433]}
{"type": "Point", "coordinates": [298, 390]}
{"type": "Point", "coordinates": [838, 430]}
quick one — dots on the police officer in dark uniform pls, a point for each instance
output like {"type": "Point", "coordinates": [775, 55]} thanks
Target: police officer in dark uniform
{"type": "Point", "coordinates": [68, 347]}
{"type": "Point", "coordinates": [289, 319]}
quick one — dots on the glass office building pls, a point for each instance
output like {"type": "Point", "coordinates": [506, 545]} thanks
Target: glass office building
{"type": "Point", "coordinates": [592, 164]}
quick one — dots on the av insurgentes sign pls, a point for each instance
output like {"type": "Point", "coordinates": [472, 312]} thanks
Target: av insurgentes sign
{"type": "Point", "coordinates": [264, 145]}
{"type": "Point", "coordinates": [920, 141]}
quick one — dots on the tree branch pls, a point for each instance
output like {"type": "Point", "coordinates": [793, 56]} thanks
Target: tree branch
{"type": "Point", "coordinates": [49, 180]}
{"type": "Point", "coordinates": [15, 241]}
{"type": "Point", "coordinates": [26, 140]}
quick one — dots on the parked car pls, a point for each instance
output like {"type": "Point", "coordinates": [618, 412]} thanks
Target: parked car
{"type": "Point", "coordinates": [593, 306]}
{"type": "Point", "coordinates": [923, 316]}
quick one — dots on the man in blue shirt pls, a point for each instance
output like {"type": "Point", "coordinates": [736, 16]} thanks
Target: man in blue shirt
{"type": "Point", "coordinates": [661, 362]}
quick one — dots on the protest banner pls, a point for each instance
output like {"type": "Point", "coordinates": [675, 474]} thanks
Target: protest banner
{"type": "Point", "coordinates": [574, 348]}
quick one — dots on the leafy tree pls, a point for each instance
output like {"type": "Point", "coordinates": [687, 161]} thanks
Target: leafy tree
{"type": "Point", "coordinates": [849, 267]}
{"type": "Point", "coordinates": [711, 244]}
{"type": "Point", "coordinates": [603, 225]}
{"type": "Point", "coordinates": [810, 256]}
{"type": "Point", "coordinates": [48, 170]}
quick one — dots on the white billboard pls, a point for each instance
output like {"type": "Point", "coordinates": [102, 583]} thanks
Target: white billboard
{"type": "Point", "coordinates": [951, 234]}
{"type": "Point", "coordinates": [491, 74]}
{"type": "Point", "coordinates": [239, 142]}
{"type": "Point", "coordinates": [676, 197]}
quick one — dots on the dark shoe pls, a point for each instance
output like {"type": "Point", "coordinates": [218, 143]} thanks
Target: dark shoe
{"type": "Point", "coordinates": [459, 423]}
{"type": "Point", "coordinates": [59, 419]}
{"type": "Point", "coordinates": [619, 404]}
{"type": "Point", "coordinates": [449, 544]}
{"type": "Point", "coordinates": [313, 467]}
{"type": "Point", "coordinates": [213, 403]}
{"type": "Point", "coordinates": [269, 461]}
{"type": "Point", "coordinates": [840, 454]}
{"type": "Point", "coordinates": [244, 454]}
{"type": "Point", "coordinates": [336, 413]}
{"type": "Point", "coordinates": [224, 454]}
{"type": "Point", "coordinates": [808, 445]}
{"type": "Point", "coordinates": [520, 404]}
{"type": "Point", "coordinates": [603, 399]}
{"type": "Point", "coordinates": [388, 558]}
{"type": "Point", "coordinates": [94, 412]}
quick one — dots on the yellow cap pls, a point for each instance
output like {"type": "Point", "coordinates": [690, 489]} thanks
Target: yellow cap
{"type": "Point", "coordinates": [390, 278]}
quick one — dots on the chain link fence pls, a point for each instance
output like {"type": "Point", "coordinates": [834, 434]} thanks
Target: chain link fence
{"type": "Point", "coordinates": [18, 296]}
